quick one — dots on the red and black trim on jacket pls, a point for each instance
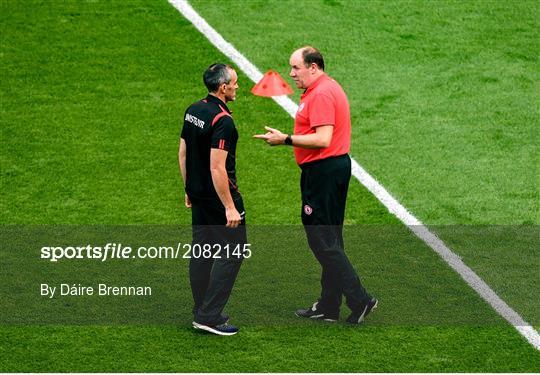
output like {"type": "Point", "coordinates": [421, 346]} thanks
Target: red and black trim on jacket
{"type": "Point", "coordinates": [208, 124]}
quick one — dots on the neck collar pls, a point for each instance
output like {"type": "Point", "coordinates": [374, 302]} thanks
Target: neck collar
{"type": "Point", "coordinates": [214, 99]}
{"type": "Point", "coordinates": [316, 83]}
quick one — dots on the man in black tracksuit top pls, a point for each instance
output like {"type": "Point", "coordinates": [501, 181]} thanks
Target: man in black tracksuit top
{"type": "Point", "coordinates": [207, 164]}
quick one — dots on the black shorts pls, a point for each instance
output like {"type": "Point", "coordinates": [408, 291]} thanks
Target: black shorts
{"type": "Point", "coordinates": [324, 185]}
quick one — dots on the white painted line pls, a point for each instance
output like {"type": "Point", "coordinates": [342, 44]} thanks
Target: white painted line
{"type": "Point", "coordinates": [396, 208]}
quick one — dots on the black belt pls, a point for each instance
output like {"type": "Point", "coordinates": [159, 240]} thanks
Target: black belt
{"type": "Point", "coordinates": [321, 161]}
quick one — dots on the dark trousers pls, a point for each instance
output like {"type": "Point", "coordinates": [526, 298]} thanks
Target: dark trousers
{"type": "Point", "coordinates": [324, 184]}
{"type": "Point", "coordinates": [212, 277]}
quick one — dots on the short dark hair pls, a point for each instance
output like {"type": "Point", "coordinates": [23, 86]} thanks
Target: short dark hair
{"type": "Point", "coordinates": [312, 55]}
{"type": "Point", "coordinates": [216, 75]}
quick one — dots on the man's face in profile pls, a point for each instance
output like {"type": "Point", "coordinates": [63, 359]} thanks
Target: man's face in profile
{"type": "Point", "coordinates": [299, 73]}
{"type": "Point", "coordinates": [231, 87]}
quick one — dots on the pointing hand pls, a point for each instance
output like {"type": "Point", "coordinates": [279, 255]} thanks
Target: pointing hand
{"type": "Point", "coordinates": [273, 136]}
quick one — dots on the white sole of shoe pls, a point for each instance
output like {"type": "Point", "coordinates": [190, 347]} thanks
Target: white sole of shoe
{"type": "Point", "coordinates": [212, 330]}
{"type": "Point", "coordinates": [318, 317]}
{"type": "Point", "coordinates": [361, 319]}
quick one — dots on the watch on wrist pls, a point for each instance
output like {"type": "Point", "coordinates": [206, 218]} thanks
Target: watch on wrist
{"type": "Point", "coordinates": [288, 140]}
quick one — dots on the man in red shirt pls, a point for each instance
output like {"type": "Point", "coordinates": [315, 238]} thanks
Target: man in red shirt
{"type": "Point", "coordinates": [321, 141]}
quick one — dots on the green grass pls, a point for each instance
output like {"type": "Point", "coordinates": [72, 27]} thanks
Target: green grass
{"type": "Point", "coordinates": [444, 96]}
{"type": "Point", "coordinates": [378, 251]}
{"type": "Point", "coordinates": [99, 107]}
{"type": "Point", "coordinates": [92, 96]}
{"type": "Point", "coordinates": [444, 102]}
{"type": "Point", "coordinates": [266, 349]}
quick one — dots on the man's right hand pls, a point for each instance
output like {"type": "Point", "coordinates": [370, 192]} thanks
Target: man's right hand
{"type": "Point", "coordinates": [187, 201]}
{"type": "Point", "coordinates": [233, 217]}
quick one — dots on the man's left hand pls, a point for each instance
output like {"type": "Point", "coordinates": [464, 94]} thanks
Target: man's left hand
{"type": "Point", "coordinates": [273, 136]}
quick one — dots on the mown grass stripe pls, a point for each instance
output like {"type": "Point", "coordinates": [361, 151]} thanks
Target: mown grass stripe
{"type": "Point", "coordinates": [393, 206]}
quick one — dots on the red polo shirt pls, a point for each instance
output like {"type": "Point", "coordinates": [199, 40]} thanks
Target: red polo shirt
{"type": "Point", "coordinates": [323, 103]}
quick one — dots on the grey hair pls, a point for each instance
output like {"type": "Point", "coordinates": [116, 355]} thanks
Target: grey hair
{"type": "Point", "coordinates": [216, 75]}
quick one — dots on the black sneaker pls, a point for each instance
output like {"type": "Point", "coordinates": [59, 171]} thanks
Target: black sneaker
{"type": "Point", "coordinates": [224, 329]}
{"type": "Point", "coordinates": [314, 313]}
{"type": "Point", "coordinates": [225, 317]}
{"type": "Point", "coordinates": [358, 317]}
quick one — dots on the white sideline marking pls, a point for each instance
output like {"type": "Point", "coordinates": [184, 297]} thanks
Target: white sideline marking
{"type": "Point", "coordinates": [373, 186]}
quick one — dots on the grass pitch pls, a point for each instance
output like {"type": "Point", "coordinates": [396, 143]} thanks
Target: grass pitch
{"type": "Point", "coordinates": [92, 97]}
